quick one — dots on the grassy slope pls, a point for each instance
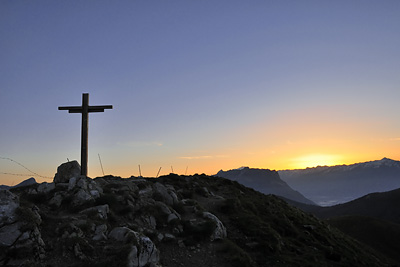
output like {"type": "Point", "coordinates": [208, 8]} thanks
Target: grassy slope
{"type": "Point", "coordinates": [373, 219]}
{"type": "Point", "coordinates": [269, 232]}
{"type": "Point", "coordinates": [383, 236]}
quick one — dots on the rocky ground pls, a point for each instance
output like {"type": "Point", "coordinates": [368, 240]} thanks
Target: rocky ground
{"type": "Point", "coordinates": [169, 221]}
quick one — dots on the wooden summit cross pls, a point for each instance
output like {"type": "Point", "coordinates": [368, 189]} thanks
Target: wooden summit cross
{"type": "Point", "coordinates": [85, 109]}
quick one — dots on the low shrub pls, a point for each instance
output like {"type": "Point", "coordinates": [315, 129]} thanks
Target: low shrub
{"type": "Point", "coordinates": [230, 206]}
{"type": "Point", "coordinates": [199, 231]}
{"type": "Point", "coordinates": [235, 255]}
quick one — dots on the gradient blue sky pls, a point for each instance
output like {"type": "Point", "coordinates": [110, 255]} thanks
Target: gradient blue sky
{"type": "Point", "coordinates": [206, 85]}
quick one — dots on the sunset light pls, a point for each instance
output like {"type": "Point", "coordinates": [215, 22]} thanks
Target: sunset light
{"type": "Point", "coordinates": [218, 133]}
{"type": "Point", "coordinates": [198, 86]}
{"type": "Point", "coordinates": [314, 160]}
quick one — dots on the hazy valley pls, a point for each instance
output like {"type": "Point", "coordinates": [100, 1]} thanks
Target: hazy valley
{"type": "Point", "coordinates": [328, 186]}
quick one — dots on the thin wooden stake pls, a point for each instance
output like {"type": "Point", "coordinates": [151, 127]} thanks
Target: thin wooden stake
{"type": "Point", "coordinates": [101, 164]}
{"type": "Point", "coordinates": [158, 172]}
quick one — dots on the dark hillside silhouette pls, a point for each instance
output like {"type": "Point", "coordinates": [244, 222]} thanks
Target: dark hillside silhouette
{"type": "Point", "coordinates": [383, 236]}
{"type": "Point", "coordinates": [373, 219]}
{"type": "Point", "coordinates": [384, 206]}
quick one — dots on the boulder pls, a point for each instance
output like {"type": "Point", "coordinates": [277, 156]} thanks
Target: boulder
{"type": "Point", "coordinates": [143, 251]}
{"type": "Point", "coordinates": [146, 192]}
{"type": "Point", "coordinates": [121, 234]}
{"type": "Point", "coordinates": [45, 188]}
{"type": "Point", "coordinates": [83, 189]}
{"type": "Point", "coordinates": [220, 230]}
{"type": "Point", "coordinates": [66, 171]}
{"type": "Point", "coordinates": [20, 237]}
{"type": "Point", "coordinates": [57, 199]}
{"type": "Point", "coordinates": [170, 213]}
{"type": "Point", "coordinates": [98, 212]}
{"type": "Point", "coordinates": [163, 208]}
{"type": "Point", "coordinates": [8, 204]}
{"type": "Point", "coordinates": [81, 197]}
{"type": "Point", "coordinates": [167, 195]}
{"type": "Point", "coordinates": [145, 254]}
{"type": "Point", "coordinates": [9, 234]}
{"type": "Point", "coordinates": [71, 183]}
{"type": "Point", "coordinates": [100, 232]}
{"type": "Point", "coordinates": [173, 216]}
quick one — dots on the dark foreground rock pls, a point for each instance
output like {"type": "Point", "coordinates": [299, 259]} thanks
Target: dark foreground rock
{"type": "Point", "coordinates": [169, 221]}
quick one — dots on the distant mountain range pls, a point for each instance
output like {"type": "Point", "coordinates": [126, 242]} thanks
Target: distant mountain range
{"type": "Point", "coordinates": [26, 182]}
{"type": "Point", "coordinates": [264, 181]}
{"type": "Point", "coordinates": [328, 186]}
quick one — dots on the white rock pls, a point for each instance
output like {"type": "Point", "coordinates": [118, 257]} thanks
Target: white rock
{"type": "Point", "coordinates": [72, 183]}
{"type": "Point", "coordinates": [81, 197]}
{"type": "Point", "coordinates": [8, 204]}
{"type": "Point", "coordinates": [220, 230]}
{"type": "Point", "coordinates": [133, 259]}
{"type": "Point", "coordinates": [82, 183]}
{"type": "Point", "coordinates": [148, 253]}
{"type": "Point", "coordinates": [45, 187]}
{"type": "Point", "coordinates": [143, 254]}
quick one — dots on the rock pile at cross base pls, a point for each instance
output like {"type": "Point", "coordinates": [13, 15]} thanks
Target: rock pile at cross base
{"type": "Point", "coordinates": [169, 221]}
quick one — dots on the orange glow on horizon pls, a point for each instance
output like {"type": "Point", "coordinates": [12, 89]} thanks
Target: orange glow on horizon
{"type": "Point", "coordinates": [314, 160]}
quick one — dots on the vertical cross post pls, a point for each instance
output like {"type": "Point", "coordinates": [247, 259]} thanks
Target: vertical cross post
{"type": "Point", "coordinates": [85, 109]}
{"type": "Point", "coordinates": [85, 133]}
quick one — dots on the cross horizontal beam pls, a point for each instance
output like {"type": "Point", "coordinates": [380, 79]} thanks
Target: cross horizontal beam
{"type": "Point", "coordinates": [79, 109]}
